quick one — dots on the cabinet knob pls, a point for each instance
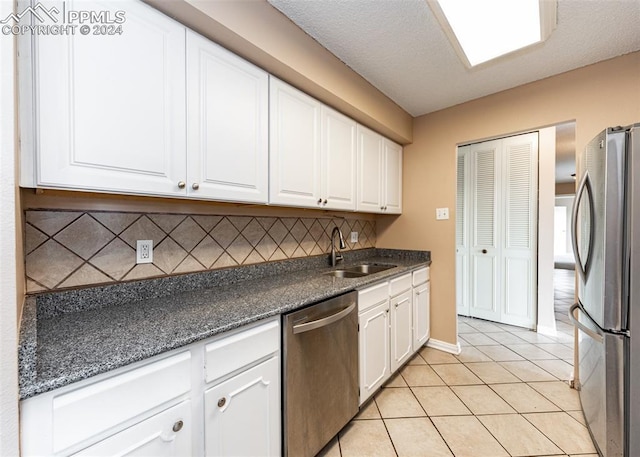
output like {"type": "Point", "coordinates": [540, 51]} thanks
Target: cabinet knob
{"type": "Point", "coordinates": [319, 201]}
{"type": "Point", "coordinates": [222, 402]}
{"type": "Point", "coordinates": [382, 208]}
{"type": "Point", "coordinates": [182, 184]}
{"type": "Point", "coordinates": [324, 202]}
{"type": "Point", "coordinates": [484, 251]}
{"type": "Point", "coordinates": [178, 426]}
{"type": "Point", "coordinates": [195, 186]}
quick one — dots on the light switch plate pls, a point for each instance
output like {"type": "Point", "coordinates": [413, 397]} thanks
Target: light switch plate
{"type": "Point", "coordinates": [144, 251]}
{"type": "Point", "coordinates": [442, 213]}
{"type": "Point", "coordinates": [354, 237]}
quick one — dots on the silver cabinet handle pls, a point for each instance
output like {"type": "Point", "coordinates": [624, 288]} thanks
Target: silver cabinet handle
{"type": "Point", "coordinates": [195, 186]}
{"type": "Point", "coordinates": [182, 184]}
{"type": "Point", "coordinates": [178, 426]}
{"type": "Point", "coordinates": [307, 326]}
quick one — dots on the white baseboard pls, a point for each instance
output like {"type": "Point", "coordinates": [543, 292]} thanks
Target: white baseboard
{"type": "Point", "coordinates": [442, 346]}
{"type": "Point", "coordinates": [547, 330]}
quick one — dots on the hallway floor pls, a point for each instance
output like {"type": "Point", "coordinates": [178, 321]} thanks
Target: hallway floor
{"type": "Point", "coordinates": [505, 394]}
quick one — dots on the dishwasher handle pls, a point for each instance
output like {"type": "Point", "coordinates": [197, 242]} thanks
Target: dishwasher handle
{"type": "Point", "coordinates": [307, 326]}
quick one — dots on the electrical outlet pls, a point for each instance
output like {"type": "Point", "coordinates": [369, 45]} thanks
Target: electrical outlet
{"type": "Point", "coordinates": [144, 251]}
{"type": "Point", "coordinates": [354, 237]}
{"type": "Point", "coordinates": [442, 213]}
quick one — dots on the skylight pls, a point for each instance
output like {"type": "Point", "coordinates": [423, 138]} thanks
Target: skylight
{"type": "Point", "coordinates": [482, 30]}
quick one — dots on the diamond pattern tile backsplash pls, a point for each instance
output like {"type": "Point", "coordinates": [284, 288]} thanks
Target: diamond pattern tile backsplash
{"type": "Point", "coordinates": [76, 248]}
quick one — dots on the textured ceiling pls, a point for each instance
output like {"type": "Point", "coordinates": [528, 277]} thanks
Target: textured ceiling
{"type": "Point", "coordinates": [399, 47]}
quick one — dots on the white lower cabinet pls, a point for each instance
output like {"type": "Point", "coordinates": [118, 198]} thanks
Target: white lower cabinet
{"type": "Point", "coordinates": [155, 407]}
{"type": "Point", "coordinates": [421, 307]}
{"type": "Point", "coordinates": [389, 323]}
{"type": "Point", "coordinates": [374, 349]}
{"type": "Point", "coordinates": [242, 414]}
{"type": "Point", "coordinates": [401, 329]}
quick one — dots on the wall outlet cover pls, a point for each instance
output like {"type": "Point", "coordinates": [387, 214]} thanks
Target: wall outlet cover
{"type": "Point", "coordinates": [442, 213]}
{"type": "Point", "coordinates": [144, 251]}
{"type": "Point", "coordinates": [354, 237]}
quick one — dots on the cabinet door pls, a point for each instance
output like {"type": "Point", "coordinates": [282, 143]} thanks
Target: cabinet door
{"type": "Point", "coordinates": [401, 326]}
{"type": "Point", "coordinates": [392, 177]}
{"type": "Point", "coordinates": [374, 349]}
{"type": "Point", "coordinates": [294, 156]}
{"type": "Point", "coordinates": [110, 111]}
{"type": "Point", "coordinates": [228, 107]}
{"type": "Point", "coordinates": [421, 325]}
{"type": "Point", "coordinates": [242, 414]}
{"type": "Point", "coordinates": [338, 161]}
{"type": "Point", "coordinates": [370, 171]}
{"type": "Point", "coordinates": [166, 434]}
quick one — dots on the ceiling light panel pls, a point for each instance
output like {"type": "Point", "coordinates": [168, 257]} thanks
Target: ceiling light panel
{"type": "Point", "coordinates": [482, 30]}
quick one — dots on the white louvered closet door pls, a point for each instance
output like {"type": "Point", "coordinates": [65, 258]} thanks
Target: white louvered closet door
{"type": "Point", "coordinates": [519, 249]}
{"type": "Point", "coordinates": [496, 230]}
{"type": "Point", "coordinates": [485, 249]}
{"type": "Point", "coordinates": [462, 232]}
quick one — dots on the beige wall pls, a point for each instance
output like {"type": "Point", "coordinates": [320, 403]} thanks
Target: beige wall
{"type": "Point", "coordinates": [597, 96]}
{"type": "Point", "coordinates": [261, 34]}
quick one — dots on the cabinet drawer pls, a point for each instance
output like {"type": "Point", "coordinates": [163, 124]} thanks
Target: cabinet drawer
{"type": "Point", "coordinates": [399, 285]}
{"type": "Point", "coordinates": [90, 410]}
{"type": "Point", "coordinates": [233, 352]}
{"type": "Point", "coordinates": [372, 296]}
{"type": "Point", "coordinates": [166, 434]}
{"type": "Point", "coordinates": [420, 276]}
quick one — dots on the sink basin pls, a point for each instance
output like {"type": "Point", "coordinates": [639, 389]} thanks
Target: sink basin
{"type": "Point", "coordinates": [370, 268]}
{"type": "Point", "coordinates": [359, 270]}
{"type": "Point", "coordinates": [345, 274]}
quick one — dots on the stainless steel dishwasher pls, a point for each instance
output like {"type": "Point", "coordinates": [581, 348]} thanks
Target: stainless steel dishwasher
{"type": "Point", "coordinates": [320, 370]}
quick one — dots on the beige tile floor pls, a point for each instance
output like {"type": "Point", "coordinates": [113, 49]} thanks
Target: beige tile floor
{"type": "Point", "coordinates": [505, 394]}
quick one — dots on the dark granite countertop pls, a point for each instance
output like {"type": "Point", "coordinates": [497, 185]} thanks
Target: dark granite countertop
{"type": "Point", "coordinates": [72, 335]}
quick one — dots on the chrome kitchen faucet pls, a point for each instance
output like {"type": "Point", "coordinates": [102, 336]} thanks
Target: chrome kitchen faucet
{"type": "Point", "coordinates": [336, 257]}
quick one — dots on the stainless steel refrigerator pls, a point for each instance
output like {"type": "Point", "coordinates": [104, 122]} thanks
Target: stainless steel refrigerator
{"type": "Point", "coordinates": [606, 233]}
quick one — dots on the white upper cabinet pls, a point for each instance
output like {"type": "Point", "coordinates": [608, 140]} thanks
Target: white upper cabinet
{"type": "Point", "coordinates": [379, 173]}
{"type": "Point", "coordinates": [392, 177]}
{"type": "Point", "coordinates": [369, 170]}
{"type": "Point", "coordinates": [228, 108]}
{"type": "Point", "coordinates": [160, 110]}
{"type": "Point", "coordinates": [339, 161]}
{"type": "Point", "coordinates": [313, 152]}
{"type": "Point", "coordinates": [294, 159]}
{"type": "Point", "coordinates": [110, 110]}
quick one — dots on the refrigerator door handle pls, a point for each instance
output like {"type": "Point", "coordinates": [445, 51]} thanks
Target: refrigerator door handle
{"type": "Point", "coordinates": [583, 267]}
{"type": "Point", "coordinates": [596, 335]}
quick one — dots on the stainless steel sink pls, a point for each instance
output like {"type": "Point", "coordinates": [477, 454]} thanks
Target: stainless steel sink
{"type": "Point", "coordinates": [359, 270]}
{"type": "Point", "coordinates": [345, 274]}
{"type": "Point", "coordinates": [370, 268]}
